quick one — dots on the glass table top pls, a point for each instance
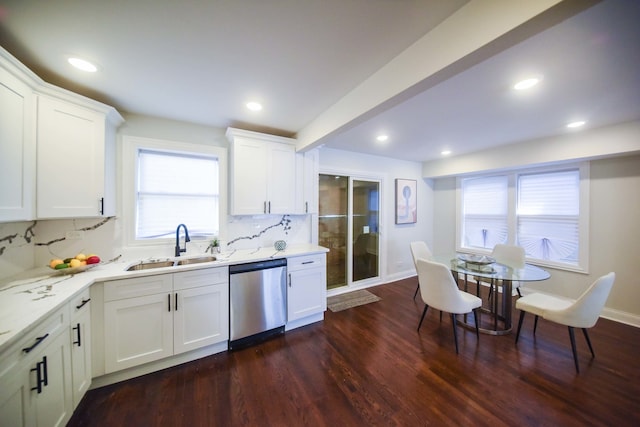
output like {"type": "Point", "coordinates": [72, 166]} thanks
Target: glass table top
{"type": "Point", "coordinates": [494, 270]}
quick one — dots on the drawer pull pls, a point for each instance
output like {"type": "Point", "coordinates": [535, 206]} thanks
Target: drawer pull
{"type": "Point", "coordinates": [83, 303]}
{"type": "Point", "coordinates": [41, 375]}
{"type": "Point", "coordinates": [308, 262]}
{"type": "Point", "coordinates": [35, 344]}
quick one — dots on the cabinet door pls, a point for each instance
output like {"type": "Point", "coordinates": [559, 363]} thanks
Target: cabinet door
{"type": "Point", "coordinates": [70, 160]}
{"type": "Point", "coordinates": [17, 149]}
{"type": "Point", "coordinates": [14, 398]}
{"type": "Point", "coordinates": [81, 354]}
{"type": "Point", "coordinates": [137, 330]}
{"type": "Point", "coordinates": [248, 181]}
{"type": "Point", "coordinates": [306, 293]}
{"type": "Point", "coordinates": [281, 179]}
{"type": "Point", "coordinates": [53, 404]}
{"type": "Point", "coordinates": [201, 317]}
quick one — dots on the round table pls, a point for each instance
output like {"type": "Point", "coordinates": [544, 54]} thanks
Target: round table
{"type": "Point", "coordinates": [496, 275]}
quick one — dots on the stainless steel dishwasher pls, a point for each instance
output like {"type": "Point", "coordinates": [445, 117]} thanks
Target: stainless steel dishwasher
{"type": "Point", "coordinates": [258, 304]}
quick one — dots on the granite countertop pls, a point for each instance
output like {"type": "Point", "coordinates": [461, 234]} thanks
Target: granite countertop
{"type": "Point", "coordinates": [30, 296]}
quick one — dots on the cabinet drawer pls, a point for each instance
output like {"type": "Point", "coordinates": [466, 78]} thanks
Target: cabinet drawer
{"type": "Point", "coordinates": [195, 278]}
{"type": "Point", "coordinates": [80, 303]}
{"type": "Point", "coordinates": [137, 287]}
{"type": "Point", "coordinates": [37, 337]}
{"type": "Point", "coordinates": [306, 261]}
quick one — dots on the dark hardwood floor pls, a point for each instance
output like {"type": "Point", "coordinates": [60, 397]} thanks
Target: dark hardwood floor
{"type": "Point", "coordinates": [369, 366]}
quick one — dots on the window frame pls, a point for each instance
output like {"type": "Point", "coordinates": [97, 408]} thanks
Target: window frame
{"type": "Point", "coordinates": [131, 145]}
{"type": "Point", "coordinates": [512, 218]}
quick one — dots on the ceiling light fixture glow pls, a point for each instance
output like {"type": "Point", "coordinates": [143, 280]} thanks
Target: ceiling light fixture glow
{"type": "Point", "coordinates": [576, 124]}
{"type": "Point", "coordinates": [382, 138]}
{"type": "Point", "coordinates": [254, 106]}
{"type": "Point", "coordinates": [83, 65]}
{"type": "Point", "coordinates": [445, 152]}
{"type": "Point", "coordinates": [527, 83]}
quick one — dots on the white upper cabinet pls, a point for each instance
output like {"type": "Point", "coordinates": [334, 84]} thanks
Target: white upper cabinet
{"type": "Point", "coordinates": [17, 149]}
{"type": "Point", "coordinates": [263, 173]}
{"type": "Point", "coordinates": [307, 165]}
{"type": "Point", "coordinates": [57, 149]}
{"type": "Point", "coordinates": [70, 160]}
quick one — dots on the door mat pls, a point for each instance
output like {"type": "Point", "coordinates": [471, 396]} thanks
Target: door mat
{"type": "Point", "coordinates": [351, 299]}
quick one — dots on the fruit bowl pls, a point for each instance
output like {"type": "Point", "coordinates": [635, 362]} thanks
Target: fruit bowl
{"type": "Point", "coordinates": [72, 270]}
{"type": "Point", "coordinates": [78, 264]}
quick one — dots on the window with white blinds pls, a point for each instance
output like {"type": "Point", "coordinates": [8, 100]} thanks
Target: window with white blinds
{"type": "Point", "coordinates": [548, 215]}
{"type": "Point", "coordinates": [545, 211]}
{"type": "Point", "coordinates": [485, 211]}
{"type": "Point", "coordinates": [176, 188]}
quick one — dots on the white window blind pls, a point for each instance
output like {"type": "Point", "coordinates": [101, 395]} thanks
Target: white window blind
{"type": "Point", "coordinates": [485, 211]}
{"type": "Point", "coordinates": [175, 188]}
{"type": "Point", "coordinates": [548, 215]}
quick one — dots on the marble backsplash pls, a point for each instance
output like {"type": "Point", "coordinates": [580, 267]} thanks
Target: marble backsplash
{"type": "Point", "coordinates": [26, 245]}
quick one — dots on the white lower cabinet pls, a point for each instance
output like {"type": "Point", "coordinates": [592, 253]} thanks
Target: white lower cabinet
{"type": "Point", "coordinates": [36, 376]}
{"type": "Point", "coordinates": [306, 287]}
{"type": "Point", "coordinates": [155, 317]}
{"type": "Point", "coordinates": [80, 328]}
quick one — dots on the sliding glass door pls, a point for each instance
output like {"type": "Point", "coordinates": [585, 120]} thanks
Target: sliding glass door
{"type": "Point", "coordinates": [348, 224]}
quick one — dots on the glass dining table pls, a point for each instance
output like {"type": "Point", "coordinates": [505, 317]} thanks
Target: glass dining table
{"type": "Point", "coordinates": [500, 278]}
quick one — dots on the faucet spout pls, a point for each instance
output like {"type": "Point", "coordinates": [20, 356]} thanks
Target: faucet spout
{"type": "Point", "coordinates": [186, 239]}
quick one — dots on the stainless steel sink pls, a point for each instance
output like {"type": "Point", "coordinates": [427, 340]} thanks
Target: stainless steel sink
{"type": "Point", "coordinates": [197, 260]}
{"type": "Point", "coordinates": [145, 265]}
{"type": "Point", "coordinates": [151, 264]}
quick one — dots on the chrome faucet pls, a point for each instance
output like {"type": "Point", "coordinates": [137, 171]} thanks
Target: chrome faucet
{"type": "Point", "coordinates": [186, 239]}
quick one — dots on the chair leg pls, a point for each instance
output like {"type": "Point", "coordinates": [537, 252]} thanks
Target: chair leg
{"type": "Point", "coordinates": [518, 290]}
{"type": "Point", "coordinates": [520, 325]}
{"type": "Point", "coordinates": [476, 314]}
{"type": "Point", "coordinates": [573, 347]}
{"type": "Point", "coordinates": [426, 307]}
{"type": "Point", "coordinates": [586, 336]}
{"type": "Point", "coordinates": [441, 316]}
{"type": "Point", "coordinates": [416, 293]}
{"type": "Point", "coordinates": [535, 325]}
{"type": "Point", "coordinates": [455, 330]}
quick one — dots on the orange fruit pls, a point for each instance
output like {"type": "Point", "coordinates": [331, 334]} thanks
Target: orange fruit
{"type": "Point", "coordinates": [54, 262]}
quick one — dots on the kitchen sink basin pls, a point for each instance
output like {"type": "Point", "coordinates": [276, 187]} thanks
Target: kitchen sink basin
{"type": "Point", "coordinates": [198, 260]}
{"type": "Point", "coordinates": [151, 264]}
{"type": "Point", "coordinates": [146, 265]}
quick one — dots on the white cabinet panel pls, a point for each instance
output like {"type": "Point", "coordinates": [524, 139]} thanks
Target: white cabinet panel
{"type": "Point", "coordinates": [263, 174]}
{"type": "Point", "coordinates": [307, 286]}
{"type": "Point", "coordinates": [137, 330]}
{"type": "Point", "coordinates": [17, 149]}
{"type": "Point", "coordinates": [80, 330]}
{"type": "Point", "coordinates": [201, 317]}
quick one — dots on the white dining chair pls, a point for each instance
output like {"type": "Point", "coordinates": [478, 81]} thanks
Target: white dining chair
{"type": "Point", "coordinates": [582, 313]}
{"type": "Point", "coordinates": [419, 249]}
{"type": "Point", "coordinates": [440, 291]}
{"type": "Point", "coordinates": [510, 255]}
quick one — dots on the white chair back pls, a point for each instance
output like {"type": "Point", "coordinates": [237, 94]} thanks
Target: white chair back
{"type": "Point", "coordinates": [584, 312]}
{"type": "Point", "coordinates": [438, 289]}
{"type": "Point", "coordinates": [419, 249]}
{"type": "Point", "coordinates": [509, 255]}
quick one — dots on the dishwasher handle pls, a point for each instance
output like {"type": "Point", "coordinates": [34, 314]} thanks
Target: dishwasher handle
{"type": "Point", "coordinates": [259, 265]}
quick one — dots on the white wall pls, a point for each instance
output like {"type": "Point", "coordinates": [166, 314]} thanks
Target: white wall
{"type": "Point", "coordinates": [614, 235]}
{"type": "Point", "coordinates": [395, 257]}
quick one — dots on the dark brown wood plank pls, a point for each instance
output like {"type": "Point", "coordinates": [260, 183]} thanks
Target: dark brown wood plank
{"type": "Point", "coordinates": [369, 366]}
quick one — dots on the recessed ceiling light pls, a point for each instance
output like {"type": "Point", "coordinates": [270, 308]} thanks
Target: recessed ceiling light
{"type": "Point", "coordinates": [527, 83]}
{"type": "Point", "coordinates": [382, 138]}
{"type": "Point", "coordinates": [576, 124]}
{"type": "Point", "coordinates": [254, 106]}
{"type": "Point", "coordinates": [445, 152]}
{"type": "Point", "coordinates": [83, 65]}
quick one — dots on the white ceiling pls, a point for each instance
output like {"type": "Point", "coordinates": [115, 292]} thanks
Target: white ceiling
{"type": "Point", "coordinates": [201, 61]}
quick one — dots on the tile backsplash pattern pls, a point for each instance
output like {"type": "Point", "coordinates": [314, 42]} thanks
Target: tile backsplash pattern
{"type": "Point", "coordinates": [26, 245]}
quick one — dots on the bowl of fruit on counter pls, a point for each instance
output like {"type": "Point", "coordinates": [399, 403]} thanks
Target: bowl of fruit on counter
{"type": "Point", "coordinates": [77, 264]}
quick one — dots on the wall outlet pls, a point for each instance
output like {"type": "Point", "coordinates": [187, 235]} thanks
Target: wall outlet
{"type": "Point", "coordinates": [365, 229]}
{"type": "Point", "coordinates": [74, 235]}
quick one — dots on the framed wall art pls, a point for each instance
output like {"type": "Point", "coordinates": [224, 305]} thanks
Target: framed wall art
{"type": "Point", "coordinates": [406, 201]}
